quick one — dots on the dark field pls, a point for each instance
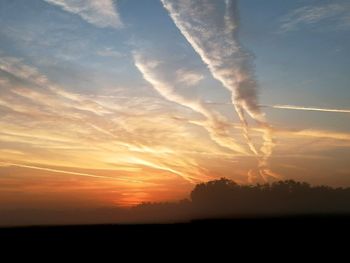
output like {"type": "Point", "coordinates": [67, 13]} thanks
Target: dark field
{"type": "Point", "coordinates": [244, 230]}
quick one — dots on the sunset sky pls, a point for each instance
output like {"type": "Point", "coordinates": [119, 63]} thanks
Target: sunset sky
{"type": "Point", "coordinates": [113, 103]}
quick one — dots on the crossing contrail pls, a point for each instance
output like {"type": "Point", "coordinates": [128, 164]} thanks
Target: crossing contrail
{"type": "Point", "coordinates": [211, 28]}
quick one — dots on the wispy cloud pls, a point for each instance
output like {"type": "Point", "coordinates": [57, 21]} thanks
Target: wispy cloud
{"type": "Point", "coordinates": [124, 135]}
{"type": "Point", "coordinates": [188, 77]}
{"type": "Point", "coordinates": [101, 13]}
{"type": "Point", "coordinates": [216, 125]}
{"type": "Point", "coordinates": [110, 52]}
{"type": "Point", "coordinates": [110, 132]}
{"type": "Point", "coordinates": [337, 14]}
{"type": "Point", "coordinates": [211, 29]}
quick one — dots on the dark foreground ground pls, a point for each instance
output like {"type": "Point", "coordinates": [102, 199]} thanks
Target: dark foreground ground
{"type": "Point", "coordinates": [245, 232]}
{"type": "Point", "coordinates": [298, 239]}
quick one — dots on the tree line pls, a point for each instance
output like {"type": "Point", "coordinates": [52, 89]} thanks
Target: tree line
{"type": "Point", "coordinates": [223, 198]}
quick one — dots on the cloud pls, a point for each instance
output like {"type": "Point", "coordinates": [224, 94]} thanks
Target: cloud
{"type": "Point", "coordinates": [188, 77]}
{"type": "Point", "coordinates": [110, 52]}
{"type": "Point", "coordinates": [322, 134]}
{"type": "Point", "coordinates": [101, 13]}
{"type": "Point", "coordinates": [18, 69]}
{"type": "Point", "coordinates": [216, 125]}
{"type": "Point", "coordinates": [211, 29]}
{"type": "Point", "coordinates": [336, 14]}
{"type": "Point", "coordinates": [54, 127]}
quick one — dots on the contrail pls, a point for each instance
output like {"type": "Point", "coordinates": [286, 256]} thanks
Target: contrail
{"type": "Point", "coordinates": [216, 44]}
{"type": "Point", "coordinates": [68, 172]}
{"type": "Point", "coordinates": [217, 127]}
{"type": "Point", "coordinates": [211, 28]}
{"type": "Point", "coordinates": [288, 107]}
{"type": "Point", "coordinates": [190, 179]}
{"type": "Point", "coordinates": [293, 107]}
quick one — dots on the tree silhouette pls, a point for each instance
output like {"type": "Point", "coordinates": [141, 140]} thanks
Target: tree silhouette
{"type": "Point", "coordinates": [223, 198]}
{"type": "Point", "coordinates": [219, 199]}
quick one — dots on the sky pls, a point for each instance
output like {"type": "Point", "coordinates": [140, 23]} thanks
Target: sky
{"type": "Point", "coordinates": [113, 103]}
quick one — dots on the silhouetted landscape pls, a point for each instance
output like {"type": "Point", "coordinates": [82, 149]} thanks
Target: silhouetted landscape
{"type": "Point", "coordinates": [224, 198]}
{"type": "Point", "coordinates": [215, 207]}
{"type": "Point", "coordinates": [217, 199]}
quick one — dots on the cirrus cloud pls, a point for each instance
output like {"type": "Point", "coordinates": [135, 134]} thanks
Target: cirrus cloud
{"type": "Point", "coordinates": [189, 78]}
{"type": "Point", "coordinates": [101, 13]}
{"type": "Point", "coordinates": [338, 14]}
